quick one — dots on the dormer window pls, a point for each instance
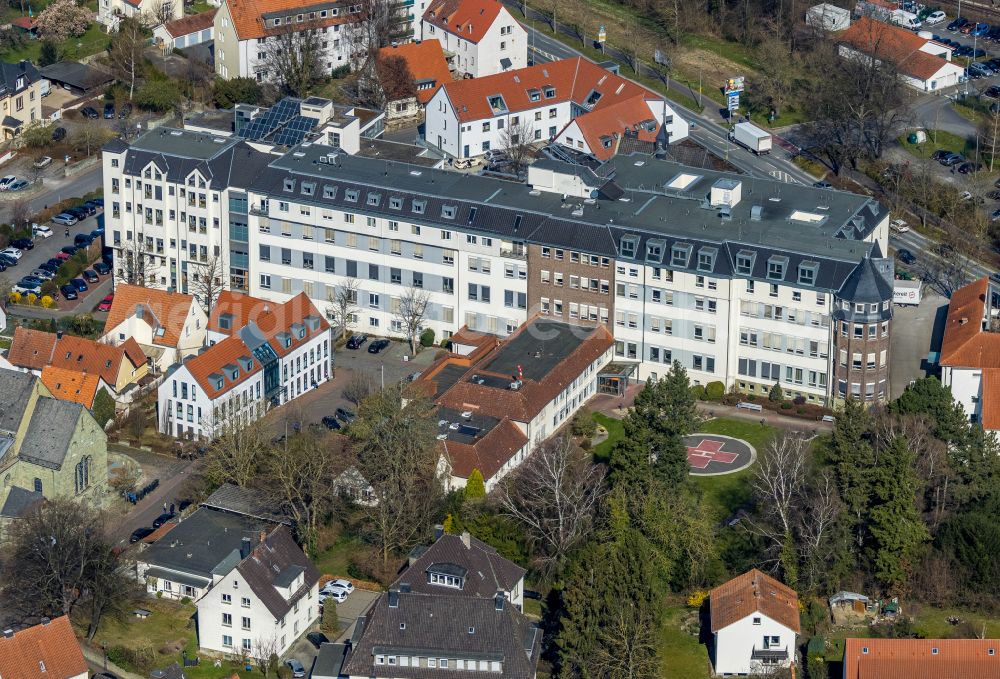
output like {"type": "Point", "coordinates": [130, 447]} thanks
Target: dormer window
{"type": "Point", "coordinates": [592, 99]}
{"type": "Point", "coordinates": [395, 202]}
{"type": "Point", "coordinates": [776, 267]}
{"type": "Point", "coordinates": [351, 195]}
{"type": "Point", "coordinates": [308, 188]}
{"type": "Point", "coordinates": [288, 342]}
{"type": "Point", "coordinates": [446, 575]}
{"type": "Point", "coordinates": [629, 245]}
{"type": "Point", "coordinates": [289, 184]}
{"type": "Point", "coordinates": [374, 199]}
{"type": "Point", "coordinates": [680, 254]}
{"type": "Point", "coordinates": [534, 95]}
{"type": "Point", "coordinates": [706, 259]}
{"type": "Point", "coordinates": [744, 262]}
{"type": "Point", "coordinates": [330, 192]}
{"type": "Point", "coordinates": [807, 273]}
{"type": "Point", "coordinates": [235, 374]}
{"type": "Point", "coordinates": [497, 104]}
{"type": "Point", "coordinates": [219, 383]}
{"type": "Point", "coordinates": [419, 206]}
{"type": "Point", "coordinates": [550, 92]}
{"type": "Point", "coordinates": [448, 211]}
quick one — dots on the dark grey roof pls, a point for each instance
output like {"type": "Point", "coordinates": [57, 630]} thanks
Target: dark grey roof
{"type": "Point", "coordinates": [287, 576]}
{"type": "Point", "coordinates": [329, 661]}
{"type": "Point", "coordinates": [182, 578]}
{"type": "Point", "coordinates": [15, 390]}
{"type": "Point", "coordinates": [871, 281]}
{"type": "Point", "coordinates": [19, 501]}
{"type": "Point", "coordinates": [265, 568]}
{"type": "Point", "coordinates": [486, 570]}
{"type": "Point", "coordinates": [77, 75]}
{"type": "Point", "coordinates": [11, 121]}
{"type": "Point", "coordinates": [202, 541]}
{"type": "Point", "coordinates": [50, 432]}
{"type": "Point", "coordinates": [444, 626]}
{"type": "Point", "coordinates": [247, 501]}
{"type": "Point", "coordinates": [116, 145]}
{"type": "Point", "coordinates": [10, 73]}
{"type": "Point", "coordinates": [383, 149]}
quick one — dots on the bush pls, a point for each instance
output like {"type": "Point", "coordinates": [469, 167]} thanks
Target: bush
{"type": "Point", "coordinates": [446, 343]}
{"type": "Point", "coordinates": [799, 400]}
{"type": "Point", "coordinates": [186, 600]}
{"type": "Point", "coordinates": [47, 301]}
{"type": "Point", "coordinates": [283, 672]}
{"type": "Point", "coordinates": [329, 622]}
{"type": "Point", "coordinates": [698, 392]}
{"type": "Point", "coordinates": [475, 486]}
{"type": "Point", "coordinates": [161, 95]}
{"type": "Point", "coordinates": [584, 425]}
{"type": "Point", "coordinates": [786, 406]}
{"type": "Point", "coordinates": [427, 337]}
{"type": "Point", "coordinates": [141, 658]}
{"type": "Point", "coordinates": [341, 71]}
{"type": "Point", "coordinates": [714, 391]}
{"type": "Point", "coordinates": [697, 598]}
{"type": "Point", "coordinates": [228, 93]}
{"type": "Point", "coordinates": [776, 394]}
{"type": "Point", "coordinates": [31, 298]}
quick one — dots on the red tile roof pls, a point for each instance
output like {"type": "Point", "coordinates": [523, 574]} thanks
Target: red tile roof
{"type": "Point", "coordinates": [36, 349]}
{"type": "Point", "coordinates": [191, 24]}
{"type": "Point", "coordinates": [426, 62]}
{"type": "Point", "coordinates": [754, 592]}
{"type": "Point", "coordinates": [72, 385]}
{"type": "Point", "coordinates": [610, 122]}
{"type": "Point", "coordinates": [922, 659]}
{"type": "Point", "coordinates": [990, 403]}
{"type": "Point", "coordinates": [469, 19]}
{"type": "Point", "coordinates": [898, 45]}
{"type": "Point", "coordinates": [248, 20]}
{"type": "Point", "coordinates": [168, 310]}
{"type": "Point", "coordinates": [45, 651]}
{"type": "Point", "coordinates": [214, 359]}
{"type": "Point", "coordinates": [488, 454]}
{"type": "Point", "coordinates": [966, 344]}
{"type": "Point", "coordinates": [27, 23]}
{"type": "Point", "coordinates": [573, 80]}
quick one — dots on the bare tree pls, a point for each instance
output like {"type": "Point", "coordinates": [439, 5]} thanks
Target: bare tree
{"type": "Point", "coordinates": [20, 213]}
{"type": "Point", "coordinates": [817, 524]}
{"type": "Point", "coordinates": [411, 313]}
{"type": "Point", "coordinates": [125, 52]}
{"type": "Point", "coordinates": [361, 386]}
{"type": "Point", "coordinates": [238, 453]}
{"type": "Point", "coordinates": [553, 496]}
{"type": "Point", "coordinates": [90, 137]}
{"type": "Point", "coordinates": [343, 308]}
{"type": "Point", "coordinates": [293, 57]}
{"type": "Point", "coordinates": [516, 142]}
{"type": "Point", "coordinates": [207, 282]}
{"type": "Point", "coordinates": [777, 484]}
{"type": "Point", "coordinates": [627, 648]}
{"type": "Point", "coordinates": [376, 24]}
{"type": "Point", "coordinates": [136, 264]}
{"type": "Point", "coordinates": [265, 652]}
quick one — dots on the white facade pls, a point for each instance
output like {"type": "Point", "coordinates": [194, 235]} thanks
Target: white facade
{"type": "Point", "coordinates": [110, 12]}
{"type": "Point", "coordinates": [191, 337]}
{"type": "Point", "coordinates": [232, 619]}
{"type": "Point", "coordinates": [504, 39]}
{"type": "Point", "coordinates": [185, 410]}
{"type": "Point", "coordinates": [735, 645]}
{"type": "Point", "coordinates": [966, 386]}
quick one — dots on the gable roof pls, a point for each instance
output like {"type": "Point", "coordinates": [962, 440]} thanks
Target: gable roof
{"type": "Point", "coordinates": [9, 74]}
{"type": "Point", "coordinates": [754, 592]}
{"type": "Point", "coordinates": [610, 123]}
{"type": "Point", "coordinates": [426, 62]}
{"type": "Point", "coordinates": [191, 24]}
{"type": "Point", "coordinates": [72, 385]}
{"type": "Point", "coordinates": [46, 651]}
{"type": "Point", "coordinates": [163, 310]}
{"type": "Point", "coordinates": [487, 454]}
{"type": "Point", "coordinates": [212, 361]}
{"type": "Point", "coordinates": [275, 563]}
{"type": "Point", "coordinates": [446, 626]}
{"type": "Point", "coordinates": [50, 432]}
{"type": "Point", "coordinates": [573, 80]}
{"type": "Point", "coordinates": [966, 343]}
{"type": "Point", "coordinates": [37, 349]}
{"type": "Point", "coordinates": [246, 501]}
{"type": "Point", "coordinates": [922, 659]}
{"type": "Point", "coordinates": [15, 392]}
{"type": "Point", "coordinates": [486, 571]}
{"type": "Point", "coordinates": [468, 19]}
{"type": "Point", "coordinates": [249, 15]}
{"type": "Point", "coordinates": [892, 43]}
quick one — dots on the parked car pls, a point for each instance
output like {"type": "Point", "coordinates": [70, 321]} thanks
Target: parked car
{"type": "Point", "coordinates": [3, 266]}
{"type": "Point", "coordinates": [12, 252]}
{"type": "Point", "coordinates": [139, 534]}
{"type": "Point", "coordinates": [8, 261]}
{"type": "Point", "coordinates": [19, 185]}
{"type": "Point", "coordinates": [102, 268]}
{"type": "Point", "coordinates": [298, 671]}
{"type": "Point", "coordinates": [44, 161]}
{"type": "Point", "coordinates": [23, 243]}
{"type": "Point", "coordinates": [317, 639]}
{"type": "Point", "coordinates": [79, 284]}
{"type": "Point", "coordinates": [992, 92]}
{"type": "Point", "coordinates": [59, 134]}
{"type": "Point", "coordinates": [378, 345]}
{"type": "Point", "coordinates": [68, 249]}
{"type": "Point", "coordinates": [106, 303]}
{"type": "Point", "coordinates": [935, 17]}
{"type": "Point", "coordinates": [356, 341]}
{"type": "Point", "coordinates": [68, 291]}
{"type": "Point", "coordinates": [43, 274]}
{"type": "Point", "coordinates": [940, 154]}
{"type": "Point", "coordinates": [899, 226]}
{"type": "Point", "coordinates": [905, 256]}
{"type": "Point", "coordinates": [91, 276]}
{"type": "Point", "coordinates": [162, 519]}
{"type": "Point", "coordinates": [78, 212]}
{"type": "Point", "coordinates": [823, 185]}
{"type": "Point", "coordinates": [339, 595]}
{"type": "Point", "coordinates": [65, 219]}
{"type": "Point", "coordinates": [340, 583]}
{"type": "Point", "coordinates": [969, 167]}
{"type": "Point", "coordinates": [344, 415]}
{"type": "Point", "coordinates": [995, 215]}
{"type": "Point", "coordinates": [6, 181]}
{"type": "Point", "coordinates": [41, 231]}
{"type": "Point", "coordinates": [109, 111]}
{"type": "Point", "coordinates": [63, 256]}
{"type": "Point", "coordinates": [90, 112]}
{"type": "Point", "coordinates": [31, 282]}
{"type": "Point", "coordinates": [330, 422]}
{"type": "Point", "coordinates": [50, 266]}
{"type": "Point", "coordinates": [27, 289]}
{"type": "Point", "coordinates": [83, 240]}
{"type": "Point", "coordinates": [957, 23]}
{"type": "Point", "coordinates": [952, 159]}
{"type": "Point", "coordinates": [125, 111]}
{"type": "Point", "coordinates": [96, 233]}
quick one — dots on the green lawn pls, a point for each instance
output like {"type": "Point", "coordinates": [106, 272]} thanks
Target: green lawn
{"type": "Point", "coordinates": [724, 494]}
{"type": "Point", "coordinates": [616, 430]}
{"type": "Point", "coordinates": [681, 656]}
{"type": "Point", "coordinates": [337, 558]}
{"type": "Point", "coordinates": [818, 170]}
{"type": "Point", "coordinates": [91, 42]}
{"type": "Point", "coordinates": [937, 139]}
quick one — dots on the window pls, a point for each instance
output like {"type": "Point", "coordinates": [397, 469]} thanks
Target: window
{"type": "Point", "coordinates": [227, 620]}
{"type": "Point", "coordinates": [246, 622]}
{"type": "Point", "coordinates": [245, 602]}
{"type": "Point", "coordinates": [679, 255]}
{"type": "Point", "coordinates": [776, 267]}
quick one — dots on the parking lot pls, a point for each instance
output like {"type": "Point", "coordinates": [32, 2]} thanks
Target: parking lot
{"type": "Point", "coordinates": [356, 605]}
{"type": "Point", "coordinates": [916, 331]}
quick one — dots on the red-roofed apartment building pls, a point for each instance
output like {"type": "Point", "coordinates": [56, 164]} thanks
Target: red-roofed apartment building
{"type": "Point", "coordinates": [498, 399]}
{"type": "Point", "coordinates": [48, 650]}
{"type": "Point", "coordinates": [922, 659]}
{"type": "Point", "coordinates": [260, 353]}
{"type": "Point", "coordinates": [426, 62]}
{"type": "Point", "coordinates": [573, 101]}
{"type": "Point", "coordinates": [970, 351]}
{"type": "Point", "coordinates": [479, 37]}
{"type": "Point", "coordinates": [754, 622]}
{"type": "Point", "coordinates": [923, 64]}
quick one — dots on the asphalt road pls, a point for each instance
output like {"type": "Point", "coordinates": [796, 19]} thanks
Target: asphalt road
{"type": "Point", "coordinates": [57, 189]}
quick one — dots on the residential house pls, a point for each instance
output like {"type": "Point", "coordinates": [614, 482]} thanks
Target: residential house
{"type": "Point", "coordinates": [921, 658]}
{"type": "Point", "coordinates": [480, 37]}
{"type": "Point", "coordinates": [456, 606]}
{"type": "Point", "coordinates": [48, 650]}
{"type": "Point", "coordinates": [167, 326]}
{"type": "Point", "coordinates": [545, 102]}
{"type": "Point", "coordinates": [48, 447]}
{"type": "Point", "coordinates": [277, 588]}
{"type": "Point", "coordinates": [187, 31]}
{"type": "Point", "coordinates": [272, 354]}
{"type": "Point", "coordinates": [80, 361]}
{"type": "Point", "coordinates": [754, 622]}
{"type": "Point", "coordinates": [970, 351]}
{"type": "Point", "coordinates": [500, 400]}
{"type": "Point", "coordinates": [20, 97]}
{"type": "Point", "coordinates": [426, 63]}
{"type": "Point", "coordinates": [923, 63]}
{"type": "Point", "coordinates": [152, 12]}
{"type": "Point", "coordinates": [462, 565]}
{"type": "Point", "coordinates": [76, 78]}
{"type": "Point", "coordinates": [73, 386]}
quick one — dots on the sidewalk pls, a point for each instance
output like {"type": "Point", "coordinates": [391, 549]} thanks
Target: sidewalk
{"type": "Point", "coordinates": [146, 510]}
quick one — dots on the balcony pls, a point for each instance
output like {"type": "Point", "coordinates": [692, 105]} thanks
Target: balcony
{"type": "Point", "coordinates": [260, 211]}
{"type": "Point", "coordinates": [514, 253]}
{"type": "Point", "coordinates": [769, 654]}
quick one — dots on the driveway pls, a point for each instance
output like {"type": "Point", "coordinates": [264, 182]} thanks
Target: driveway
{"type": "Point", "coordinates": [171, 472]}
{"type": "Point", "coordinates": [357, 604]}
{"type": "Point", "coordinates": [916, 331]}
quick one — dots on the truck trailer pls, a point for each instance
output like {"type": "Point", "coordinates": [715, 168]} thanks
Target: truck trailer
{"type": "Point", "coordinates": [751, 137]}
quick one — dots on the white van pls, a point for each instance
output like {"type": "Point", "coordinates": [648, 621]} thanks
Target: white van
{"type": "Point", "coordinates": [905, 19]}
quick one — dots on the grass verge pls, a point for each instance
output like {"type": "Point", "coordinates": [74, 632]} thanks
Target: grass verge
{"type": "Point", "coordinates": [681, 655]}
{"type": "Point", "coordinates": [616, 431]}
{"type": "Point", "coordinates": [93, 41]}
{"type": "Point", "coordinates": [337, 559]}
{"type": "Point", "coordinates": [817, 170]}
{"type": "Point", "coordinates": [937, 139]}
{"type": "Point", "coordinates": [725, 494]}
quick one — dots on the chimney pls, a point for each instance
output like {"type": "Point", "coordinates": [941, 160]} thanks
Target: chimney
{"type": "Point", "coordinates": [466, 539]}
{"type": "Point", "coordinates": [45, 621]}
{"type": "Point", "coordinates": [59, 334]}
{"type": "Point", "coordinates": [244, 548]}
{"type": "Point", "coordinates": [438, 531]}
{"type": "Point", "coordinates": [498, 599]}
{"type": "Point", "coordinates": [263, 536]}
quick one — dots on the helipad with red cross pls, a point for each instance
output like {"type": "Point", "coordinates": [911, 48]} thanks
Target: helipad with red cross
{"type": "Point", "coordinates": [715, 454]}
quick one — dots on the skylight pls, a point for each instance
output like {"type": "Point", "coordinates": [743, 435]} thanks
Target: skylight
{"type": "Point", "coordinates": [807, 217]}
{"type": "Point", "coordinates": [682, 181]}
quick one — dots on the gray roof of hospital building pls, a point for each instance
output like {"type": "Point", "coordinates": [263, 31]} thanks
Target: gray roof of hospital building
{"type": "Point", "coordinates": [660, 200]}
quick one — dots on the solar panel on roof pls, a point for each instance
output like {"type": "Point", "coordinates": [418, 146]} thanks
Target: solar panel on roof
{"type": "Point", "coordinates": [295, 130]}
{"type": "Point", "coordinates": [272, 119]}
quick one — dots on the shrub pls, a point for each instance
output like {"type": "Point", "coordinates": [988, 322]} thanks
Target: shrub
{"type": "Point", "coordinates": [341, 71]}
{"type": "Point", "coordinates": [800, 411]}
{"type": "Point", "coordinates": [714, 391]}
{"type": "Point", "coordinates": [698, 392]}
{"type": "Point", "coordinates": [160, 95]}
{"type": "Point", "coordinates": [14, 298]}
{"type": "Point", "coordinates": [32, 298]}
{"type": "Point", "coordinates": [427, 337]}
{"type": "Point", "coordinates": [786, 406]}
{"type": "Point", "coordinates": [47, 301]}
{"type": "Point", "coordinates": [584, 425]}
{"type": "Point", "coordinates": [697, 598]}
{"type": "Point", "coordinates": [799, 400]}
{"type": "Point", "coordinates": [446, 343]}
{"type": "Point", "coordinates": [329, 622]}
{"type": "Point", "coordinates": [283, 672]}
{"type": "Point", "coordinates": [776, 394]}
{"type": "Point", "coordinates": [141, 658]}
{"type": "Point", "coordinates": [475, 486]}
{"type": "Point", "coordinates": [227, 93]}
{"type": "Point", "coordinates": [186, 600]}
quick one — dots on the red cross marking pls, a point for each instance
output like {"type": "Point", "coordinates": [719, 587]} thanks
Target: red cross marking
{"type": "Point", "coordinates": [708, 451]}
